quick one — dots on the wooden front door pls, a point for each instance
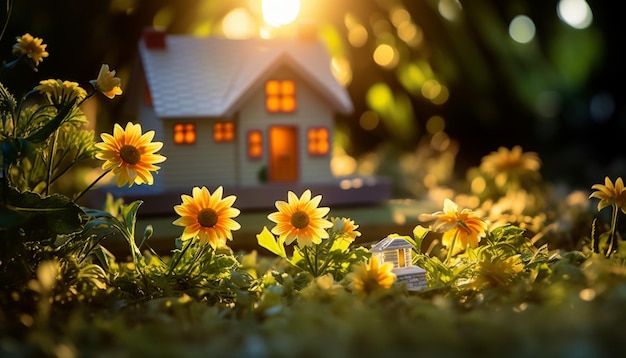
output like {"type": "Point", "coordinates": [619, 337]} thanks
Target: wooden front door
{"type": "Point", "coordinates": [283, 145]}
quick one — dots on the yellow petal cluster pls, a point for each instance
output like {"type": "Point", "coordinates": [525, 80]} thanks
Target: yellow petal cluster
{"type": "Point", "coordinates": [610, 194]}
{"type": "Point", "coordinates": [107, 83]}
{"type": "Point", "coordinates": [209, 217]}
{"type": "Point", "coordinates": [31, 47]}
{"type": "Point", "coordinates": [497, 272]}
{"type": "Point", "coordinates": [345, 228]}
{"type": "Point", "coordinates": [130, 154]}
{"type": "Point", "coordinates": [460, 228]}
{"type": "Point", "coordinates": [300, 219]}
{"type": "Point", "coordinates": [505, 164]}
{"type": "Point", "coordinates": [60, 92]}
{"type": "Point", "coordinates": [367, 278]}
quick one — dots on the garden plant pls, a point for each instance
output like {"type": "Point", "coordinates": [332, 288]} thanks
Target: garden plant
{"type": "Point", "coordinates": [513, 267]}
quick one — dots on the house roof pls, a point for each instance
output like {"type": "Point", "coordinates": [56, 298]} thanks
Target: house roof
{"type": "Point", "coordinates": [211, 77]}
{"type": "Point", "coordinates": [391, 243]}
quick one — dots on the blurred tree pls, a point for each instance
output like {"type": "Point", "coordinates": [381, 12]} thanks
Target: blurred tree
{"type": "Point", "coordinates": [413, 69]}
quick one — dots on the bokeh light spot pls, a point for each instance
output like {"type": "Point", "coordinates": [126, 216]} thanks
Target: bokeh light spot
{"type": "Point", "coordinates": [575, 13]}
{"type": "Point", "coordinates": [410, 33]}
{"type": "Point", "coordinates": [449, 9]}
{"type": "Point", "coordinates": [399, 16]}
{"type": "Point", "coordinates": [369, 120]}
{"type": "Point", "coordinates": [442, 96]}
{"type": "Point", "coordinates": [340, 67]}
{"type": "Point", "coordinates": [435, 124]}
{"type": "Point", "coordinates": [440, 141]}
{"type": "Point", "coordinates": [386, 56]}
{"type": "Point", "coordinates": [602, 106]}
{"type": "Point", "coordinates": [431, 89]}
{"type": "Point", "coordinates": [238, 24]}
{"type": "Point", "coordinates": [379, 97]}
{"type": "Point", "coordinates": [478, 185]}
{"type": "Point", "coordinates": [587, 294]}
{"type": "Point", "coordinates": [343, 165]}
{"type": "Point", "coordinates": [522, 29]}
{"type": "Point", "coordinates": [357, 36]}
{"type": "Point", "coordinates": [163, 17]}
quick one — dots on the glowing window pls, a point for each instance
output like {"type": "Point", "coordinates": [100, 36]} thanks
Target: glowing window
{"type": "Point", "coordinates": [255, 144]}
{"type": "Point", "coordinates": [223, 131]}
{"type": "Point", "coordinates": [280, 96]}
{"type": "Point", "coordinates": [184, 133]}
{"type": "Point", "coordinates": [401, 258]}
{"type": "Point", "coordinates": [318, 141]}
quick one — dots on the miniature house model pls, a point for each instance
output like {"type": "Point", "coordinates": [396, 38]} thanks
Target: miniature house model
{"type": "Point", "coordinates": [399, 251]}
{"type": "Point", "coordinates": [244, 114]}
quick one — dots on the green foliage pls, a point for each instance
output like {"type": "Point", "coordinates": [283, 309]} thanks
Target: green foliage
{"type": "Point", "coordinates": [65, 294]}
{"type": "Point", "coordinates": [333, 255]}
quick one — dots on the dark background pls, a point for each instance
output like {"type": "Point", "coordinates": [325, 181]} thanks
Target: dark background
{"type": "Point", "coordinates": [492, 80]}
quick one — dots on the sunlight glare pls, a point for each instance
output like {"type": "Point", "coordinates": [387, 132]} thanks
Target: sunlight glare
{"type": "Point", "coordinates": [280, 12]}
{"type": "Point", "coordinates": [575, 13]}
{"type": "Point", "coordinates": [239, 24]}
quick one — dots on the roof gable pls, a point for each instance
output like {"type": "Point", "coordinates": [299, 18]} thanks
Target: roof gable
{"type": "Point", "coordinates": [210, 77]}
{"type": "Point", "coordinates": [391, 243]}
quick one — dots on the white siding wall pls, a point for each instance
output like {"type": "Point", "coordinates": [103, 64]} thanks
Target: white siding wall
{"type": "Point", "coordinates": [204, 163]}
{"type": "Point", "coordinates": [312, 111]}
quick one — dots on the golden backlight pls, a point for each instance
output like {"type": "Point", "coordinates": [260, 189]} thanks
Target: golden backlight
{"type": "Point", "coordinates": [277, 13]}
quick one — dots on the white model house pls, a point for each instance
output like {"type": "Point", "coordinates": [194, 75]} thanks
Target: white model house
{"type": "Point", "coordinates": [246, 115]}
{"type": "Point", "coordinates": [242, 112]}
{"type": "Point", "coordinates": [397, 250]}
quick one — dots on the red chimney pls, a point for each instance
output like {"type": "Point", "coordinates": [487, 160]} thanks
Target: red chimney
{"type": "Point", "coordinates": [154, 38]}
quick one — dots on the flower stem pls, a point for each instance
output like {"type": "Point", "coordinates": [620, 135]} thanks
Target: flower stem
{"type": "Point", "coordinates": [91, 185]}
{"type": "Point", "coordinates": [169, 273]}
{"type": "Point", "coordinates": [312, 270]}
{"type": "Point", "coordinates": [612, 237]}
{"type": "Point", "coordinates": [51, 161]}
{"type": "Point", "coordinates": [86, 98]}
{"type": "Point", "coordinates": [451, 249]}
{"type": "Point", "coordinates": [196, 259]}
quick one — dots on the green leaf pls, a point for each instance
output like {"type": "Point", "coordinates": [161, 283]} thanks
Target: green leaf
{"type": "Point", "coordinates": [129, 213]}
{"type": "Point", "coordinates": [419, 233]}
{"type": "Point", "coordinates": [16, 148]}
{"type": "Point", "coordinates": [43, 133]}
{"type": "Point", "coordinates": [267, 240]}
{"type": "Point", "coordinates": [56, 212]}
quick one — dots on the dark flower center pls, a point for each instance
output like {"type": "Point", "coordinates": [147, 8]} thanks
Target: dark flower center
{"type": "Point", "coordinates": [130, 154]}
{"type": "Point", "coordinates": [208, 217]}
{"type": "Point", "coordinates": [299, 219]}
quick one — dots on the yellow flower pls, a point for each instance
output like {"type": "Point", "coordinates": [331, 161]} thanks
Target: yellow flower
{"type": "Point", "coordinates": [300, 219]}
{"type": "Point", "coordinates": [367, 278]}
{"type": "Point", "coordinates": [130, 154]}
{"type": "Point", "coordinates": [610, 194]}
{"type": "Point", "coordinates": [505, 164]}
{"type": "Point", "coordinates": [497, 272]}
{"type": "Point", "coordinates": [207, 216]}
{"type": "Point", "coordinates": [31, 47]}
{"type": "Point", "coordinates": [61, 92]}
{"type": "Point", "coordinates": [345, 228]}
{"type": "Point", "coordinates": [107, 83]}
{"type": "Point", "coordinates": [460, 228]}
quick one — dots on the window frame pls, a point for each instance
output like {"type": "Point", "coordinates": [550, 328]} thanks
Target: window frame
{"type": "Point", "coordinates": [187, 128]}
{"type": "Point", "coordinates": [312, 135]}
{"type": "Point", "coordinates": [224, 131]}
{"type": "Point", "coordinates": [280, 96]}
{"type": "Point", "coordinates": [251, 145]}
